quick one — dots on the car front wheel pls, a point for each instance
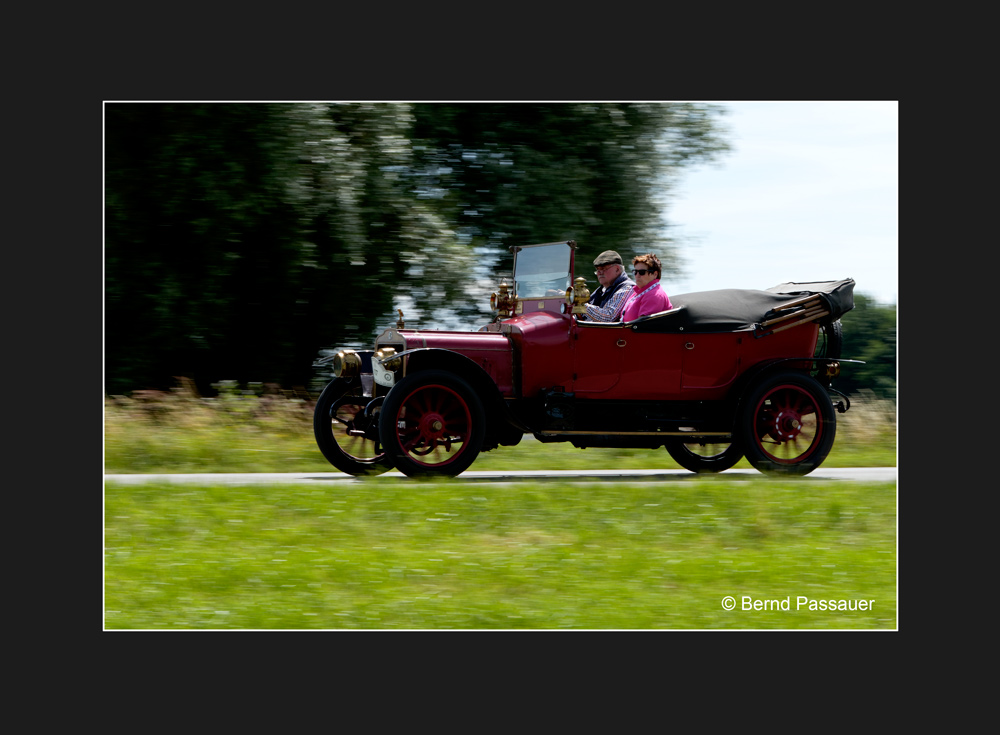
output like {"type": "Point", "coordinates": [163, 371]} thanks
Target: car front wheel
{"type": "Point", "coordinates": [346, 429]}
{"type": "Point", "coordinates": [432, 423]}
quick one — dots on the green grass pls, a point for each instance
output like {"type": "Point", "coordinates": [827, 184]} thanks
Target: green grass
{"type": "Point", "coordinates": [399, 554]}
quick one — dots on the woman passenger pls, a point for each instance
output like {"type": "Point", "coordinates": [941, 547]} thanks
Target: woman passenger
{"type": "Point", "coordinates": [647, 295]}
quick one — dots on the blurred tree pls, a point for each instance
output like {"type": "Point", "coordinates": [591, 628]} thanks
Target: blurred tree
{"type": "Point", "coordinates": [242, 238]}
{"type": "Point", "coordinates": [199, 242]}
{"type": "Point", "coordinates": [600, 174]}
{"type": "Point", "coordinates": [869, 335]}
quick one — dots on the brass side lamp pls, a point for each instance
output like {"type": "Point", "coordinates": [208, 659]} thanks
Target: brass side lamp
{"type": "Point", "coordinates": [580, 295]}
{"type": "Point", "coordinates": [503, 302]}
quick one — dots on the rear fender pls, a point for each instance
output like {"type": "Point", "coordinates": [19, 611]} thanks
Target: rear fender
{"type": "Point", "coordinates": [824, 369]}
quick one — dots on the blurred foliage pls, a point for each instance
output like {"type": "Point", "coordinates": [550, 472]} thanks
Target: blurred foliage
{"type": "Point", "coordinates": [869, 335]}
{"type": "Point", "coordinates": [240, 239]}
{"type": "Point", "coordinates": [594, 173]}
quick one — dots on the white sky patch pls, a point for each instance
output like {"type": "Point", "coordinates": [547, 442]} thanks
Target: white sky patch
{"type": "Point", "coordinates": [810, 192]}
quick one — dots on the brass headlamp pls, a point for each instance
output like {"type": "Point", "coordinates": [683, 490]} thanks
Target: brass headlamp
{"type": "Point", "coordinates": [347, 364]}
{"type": "Point", "coordinates": [386, 356]}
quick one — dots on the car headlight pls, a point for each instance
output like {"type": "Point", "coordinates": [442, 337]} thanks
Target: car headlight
{"type": "Point", "coordinates": [386, 356]}
{"type": "Point", "coordinates": [347, 364]}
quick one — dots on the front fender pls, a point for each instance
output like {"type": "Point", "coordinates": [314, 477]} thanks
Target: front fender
{"type": "Point", "coordinates": [502, 426]}
{"type": "Point", "coordinates": [434, 358]}
{"type": "Point", "coordinates": [491, 370]}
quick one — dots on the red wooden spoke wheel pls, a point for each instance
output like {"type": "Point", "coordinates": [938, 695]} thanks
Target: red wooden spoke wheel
{"type": "Point", "coordinates": [432, 424]}
{"type": "Point", "coordinates": [789, 424]}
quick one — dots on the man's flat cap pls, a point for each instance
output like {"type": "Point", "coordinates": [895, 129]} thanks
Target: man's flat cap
{"type": "Point", "coordinates": [608, 257]}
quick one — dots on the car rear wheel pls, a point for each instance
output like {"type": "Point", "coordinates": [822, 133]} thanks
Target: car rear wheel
{"type": "Point", "coordinates": [788, 423]}
{"type": "Point", "coordinates": [704, 457]}
{"type": "Point", "coordinates": [347, 433]}
{"type": "Point", "coordinates": [432, 423]}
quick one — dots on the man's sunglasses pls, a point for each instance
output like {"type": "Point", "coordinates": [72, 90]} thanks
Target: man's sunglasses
{"type": "Point", "coordinates": [641, 271]}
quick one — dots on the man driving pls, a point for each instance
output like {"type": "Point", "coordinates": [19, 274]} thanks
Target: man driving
{"type": "Point", "coordinates": [606, 303]}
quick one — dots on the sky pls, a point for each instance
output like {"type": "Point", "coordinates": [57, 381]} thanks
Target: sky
{"type": "Point", "coordinates": [809, 192]}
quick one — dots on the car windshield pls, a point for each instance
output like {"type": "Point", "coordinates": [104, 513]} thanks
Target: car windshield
{"type": "Point", "coordinates": [542, 270]}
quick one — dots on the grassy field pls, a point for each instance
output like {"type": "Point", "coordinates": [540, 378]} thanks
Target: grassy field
{"type": "Point", "coordinates": [393, 554]}
{"type": "Point", "coordinates": [387, 554]}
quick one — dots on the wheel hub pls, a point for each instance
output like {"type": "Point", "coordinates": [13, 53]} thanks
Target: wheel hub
{"type": "Point", "coordinates": [786, 425]}
{"type": "Point", "coordinates": [432, 425]}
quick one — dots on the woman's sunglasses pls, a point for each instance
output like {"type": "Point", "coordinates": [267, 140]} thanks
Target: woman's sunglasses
{"type": "Point", "coordinates": [641, 271]}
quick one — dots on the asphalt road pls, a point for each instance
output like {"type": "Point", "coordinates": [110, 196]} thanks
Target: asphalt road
{"type": "Point", "coordinates": [872, 474]}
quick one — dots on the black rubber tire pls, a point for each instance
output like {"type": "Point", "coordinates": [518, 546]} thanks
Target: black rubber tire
{"type": "Point", "coordinates": [704, 458]}
{"type": "Point", "coordinates": [830, 343]}
{"type": "Point", "coordinates": [788, 424]}
{"type": "Point", "coordinates": [424, 417]}
{"type": "Point", "coordinates": [354, 455]}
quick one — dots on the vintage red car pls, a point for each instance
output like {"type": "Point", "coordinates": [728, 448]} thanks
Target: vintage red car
{"type": "Point", "coordinates": [722, 375]}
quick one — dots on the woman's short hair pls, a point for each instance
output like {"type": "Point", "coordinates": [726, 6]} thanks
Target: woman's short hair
{"type": "Point", "coordinates": [650, 261]}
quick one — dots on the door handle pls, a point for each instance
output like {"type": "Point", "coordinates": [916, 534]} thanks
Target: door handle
{"type": "Point", "coordinates": [621, 343]}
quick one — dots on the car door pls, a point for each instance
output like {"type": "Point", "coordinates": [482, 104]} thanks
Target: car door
{"type": "Point", "coordinates": [710, 363]}
{"type": "Point", "coordinates": [616, 362]}
{"type": "Point", "coordinates": [597, 359]}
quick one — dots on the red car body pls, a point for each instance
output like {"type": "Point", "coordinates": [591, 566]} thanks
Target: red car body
{"type": "Point", "coordinates": [722, 375]}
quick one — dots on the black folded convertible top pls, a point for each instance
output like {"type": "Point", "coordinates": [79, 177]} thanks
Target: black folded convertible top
{"type": "Point", "coordinates": [732, 309]}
